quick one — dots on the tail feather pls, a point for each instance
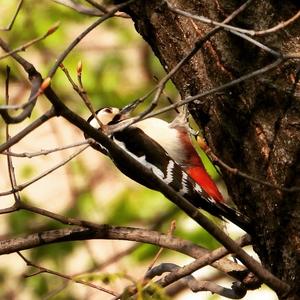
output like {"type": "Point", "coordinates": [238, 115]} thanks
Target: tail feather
{"type": "Point", "coordinates": [200, 198]}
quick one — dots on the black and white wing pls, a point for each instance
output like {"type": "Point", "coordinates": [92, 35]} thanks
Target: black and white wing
{"type": "Point", "coordinates": [151, 155]}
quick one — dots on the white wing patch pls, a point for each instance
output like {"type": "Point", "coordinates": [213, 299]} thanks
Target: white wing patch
{"type": "Point", "coordinates": [103, 148]}
{"type": "Point", "coordinates": [211, 199]}
{"type": "Point", "coordinates": [184, 181]}
{"type": "Point", "coordinates": [142, 160]}
{"type": "Point", "coordinates": [198, 188]}
{"type": "Point", "coordinates": [169, 176]}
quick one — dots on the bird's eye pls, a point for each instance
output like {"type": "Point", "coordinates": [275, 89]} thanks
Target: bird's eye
{"type": "Point", "coordinates": [107, 110]}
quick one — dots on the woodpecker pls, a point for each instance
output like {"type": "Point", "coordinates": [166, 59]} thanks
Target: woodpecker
{"type": "Point", "coordinates": [165, 149]}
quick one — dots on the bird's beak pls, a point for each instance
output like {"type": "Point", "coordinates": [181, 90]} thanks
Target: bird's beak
{"type": "Point", "coordinates": [125, 111]}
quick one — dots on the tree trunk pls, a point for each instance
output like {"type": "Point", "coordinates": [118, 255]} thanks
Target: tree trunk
{"type": "Point", "coordinates": [253, 126]}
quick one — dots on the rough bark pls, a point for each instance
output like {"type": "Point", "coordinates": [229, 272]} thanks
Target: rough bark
{"type": "Point", "coordinates": [253, 126]}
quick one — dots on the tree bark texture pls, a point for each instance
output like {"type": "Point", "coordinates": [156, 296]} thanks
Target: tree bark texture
{"type": "Point", "coordinates": [253, 126]}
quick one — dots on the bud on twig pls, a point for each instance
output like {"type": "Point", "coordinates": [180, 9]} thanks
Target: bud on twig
{"type": "Point", "coordinates": [52, 29]}
{"type": "Point", "coordinates": [79, 68]}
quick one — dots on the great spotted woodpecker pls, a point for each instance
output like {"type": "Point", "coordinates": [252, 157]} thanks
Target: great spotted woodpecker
{"type": "Point", "coordinates": [165, 149]}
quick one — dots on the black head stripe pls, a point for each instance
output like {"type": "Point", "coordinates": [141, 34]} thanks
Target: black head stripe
{"type": "Point", "coordinates": [115, 120]}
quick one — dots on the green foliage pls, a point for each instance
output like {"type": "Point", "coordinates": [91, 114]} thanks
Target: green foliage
{"type": "Point", "coordinates": [106, 278]}
{"type": "Point", "coordinates": [144, 252]}
{"type": "Point", "coordinates": [57, 253]}
{"type": "Point", "coordinates": [27, 171]}
{"type": "Point", "coordinates": [198, 236]}
{"type": "Point", "coordinates": [21, 221]}
{"type": "Point", "coordinates": [136, 205]}
{"type": "Point", "coordinates": [152, 291]}
{"type": "Point", "coordinates": [39, 285]}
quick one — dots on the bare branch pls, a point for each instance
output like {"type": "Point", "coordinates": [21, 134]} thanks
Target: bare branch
{"type": "Point", "coordinates": [234, 29]}
{"type": "Point", "coordinates": [105, 231]}
{"type": "Point", "coordinates": [48, 151]}
{"type": "Point", "coordinates": [198, 45]}
{"type": "Point", "coordinates": [35, 124]}
{"type": "Point", "coordinates": [279, 26]}
{"type": "Point", "coordinates": [63, 55]}
{"type": "Point", "coordinates": [23, 47]}
{"type": "Point", "coordinates": [11, 172]}
{"type": "Point", "coordinates": [70, 278]}
{"type": "Point", "coordinates": [238, 291]}
{"type": "Point", "coordinates": [80, 90]}
{"type": "Point", "coordinates": [104, 9]}
{"type": "Point", "coordinates": [79, 8]}
{"type": "Point", "coordinates": [195, 98]}
{"type": "Point", "coordinates": [170, 232]}
{"type": "Point", "coordinates": [11, 23]}
{"type": "Point", "coordinates": [237, 172]}
{"type": "Point", "coordinates": [21, 187]}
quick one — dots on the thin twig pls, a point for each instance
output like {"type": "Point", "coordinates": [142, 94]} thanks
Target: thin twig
{"type": "Point", "coordinates": [10, 166]}
{"type": "Point", "coordinates": [104, 9]}
{"type": "Point", "coordinates": [35, 124]}
{"type": "Point", "coordinates": [47, 151]}
{"type": "Point", "coordinates": [23, 47]}
{"type": "Point", "coordinates": [198, 44]}
{"type": "Point", "coordinates": [80, 90]}
{"type": "Point", "coordinates": [21, 187]}
{"type": "Point", "coordinates": [79, 8]}
{"type": "Point", "coordinates": [234, 30]}
{"type": "Point", "coordinates": [11, 23]}
{"type": "Point", "coordinates": [64, 54]}
{"type": "Point", "coordinates": [236, 171]}
{"type": "Point", "coordinates": [279, 26]}
{"type": "Point", "coordinates": [170, 232]}
{"type": "Point", "coordinates": [70, 278]}
{"type": "Point", "coordinates": [190, 99]}
{"type": "Point", "coordinates": [231, 28]}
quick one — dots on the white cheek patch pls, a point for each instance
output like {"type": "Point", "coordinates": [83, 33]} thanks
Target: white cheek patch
{"type": "Point", "coordinates": [142, 160]}
{"type": "Point", "coordinates": [94, 123]}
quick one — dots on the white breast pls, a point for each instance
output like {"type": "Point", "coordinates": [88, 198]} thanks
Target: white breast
{"type": "Point", "coordinates": [167, 137]}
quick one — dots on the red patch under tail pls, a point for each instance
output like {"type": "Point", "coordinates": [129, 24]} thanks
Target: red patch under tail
{"type": "Point", "coordinates": [199, 174]}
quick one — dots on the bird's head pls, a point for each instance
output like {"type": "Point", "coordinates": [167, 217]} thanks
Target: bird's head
{"type": "Point", "coordinates": [106, 116]}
